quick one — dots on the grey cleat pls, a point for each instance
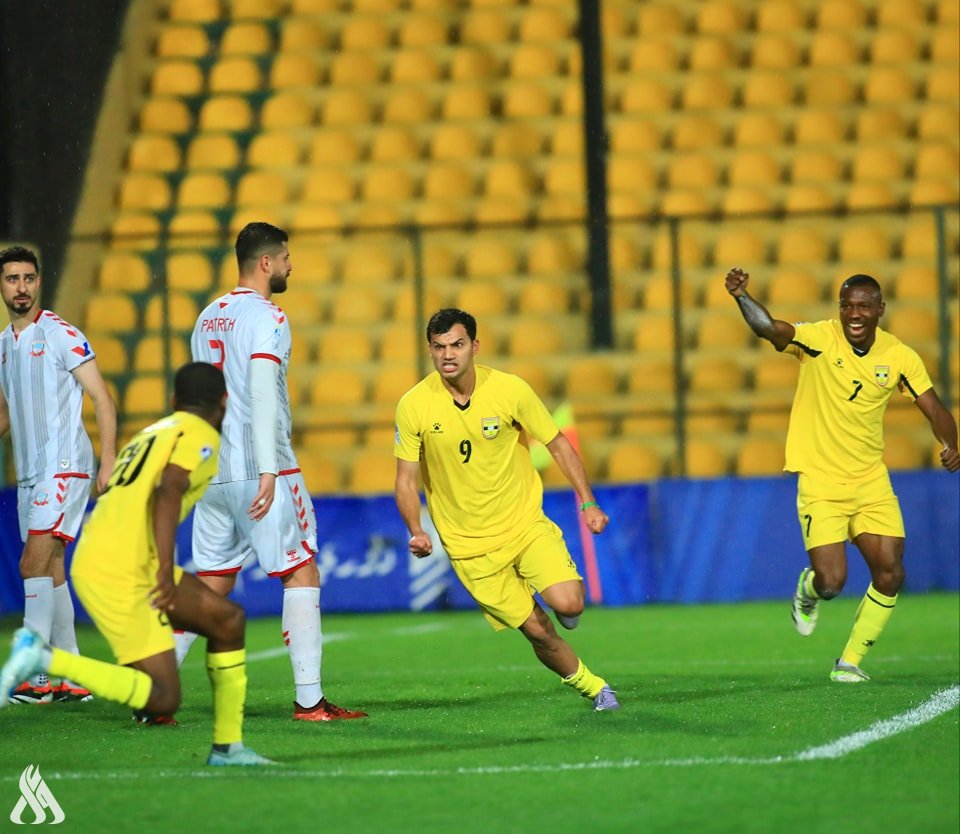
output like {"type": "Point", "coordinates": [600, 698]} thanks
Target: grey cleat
{"type": "Point", "coordinates": [606, 699]}
{"type": "Point", "coordinates": [848, 673]}
{"type": "Point", "coordinates": [236, 755]}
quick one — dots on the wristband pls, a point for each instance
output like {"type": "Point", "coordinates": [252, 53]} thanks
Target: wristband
{"type": "Point", "coordinates": [586, 504]}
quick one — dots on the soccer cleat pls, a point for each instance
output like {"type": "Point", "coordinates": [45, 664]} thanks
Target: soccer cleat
{"type": "Point", "coordinates": [236, 755]}
{"type": "Point", "coordinates": [605, 700]}
{"type": "Point", "coordinates": [569, 623]}
{"type": "Point", "coordinates": [324, 711]}
{"type": "Point", "coordinates": [804, 607]}
{"type": "Point", "coordinates": [148, 720]}
{"type": "Point", "coordinates": [65, 692]}
{"type": "Point", "coordinates": [848, 673]}
{"type": "Point", "coordinates": [26, 659]}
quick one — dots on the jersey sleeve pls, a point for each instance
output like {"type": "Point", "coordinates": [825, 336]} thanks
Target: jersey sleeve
{"type": "Point", "coordinates": [809, 340]}
{"type": "Point", "coordinates": [270, 338]}
{"type": "Point", "coordinates": [532, 414]}
{"type": "Point", "coordinates": [195, 448]}
{"type": "Point", "coordinates": [914, 379]}
{"type": "Point", "coordinates": [72, 346]}
{"type": "Point", "coordinates": [406, 435]}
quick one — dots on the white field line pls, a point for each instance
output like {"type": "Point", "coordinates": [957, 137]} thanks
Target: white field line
{"type": "Point", "coordinates": [937, 704]}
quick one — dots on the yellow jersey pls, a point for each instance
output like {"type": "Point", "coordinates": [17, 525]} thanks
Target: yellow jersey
{"type": "Point", "coordinates": [836, 423]}
{"type": "Point", "coordinates": [117, 543]}
{"type": "Point", "coordinates": [481, 487]}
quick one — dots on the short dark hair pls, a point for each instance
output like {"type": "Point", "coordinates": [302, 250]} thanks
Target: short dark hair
{"type": "Point", "coordinates": [443, 320]}
{"type": "Point", "coordinates": [256, 239]}
{"type": "Point", "coordinates": [198, 385]}
{"type": "Point", "coordinates": [861, 280]}
{"type": "Point", "coordinates": [19, 254]}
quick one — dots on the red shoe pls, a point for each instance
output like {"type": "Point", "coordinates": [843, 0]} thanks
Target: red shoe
{"type": "Point", "coordinates": [64, 691]}
{"type": "Point", "coordinates": [324, 711]}
{"type": "Point", "coordinates": [154, 720]}
{"type": "Point", "coordinates": [27, 693]}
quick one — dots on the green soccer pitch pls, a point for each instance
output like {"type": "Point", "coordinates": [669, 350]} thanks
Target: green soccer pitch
{"type": "Point", "coordinates": [729, 724]}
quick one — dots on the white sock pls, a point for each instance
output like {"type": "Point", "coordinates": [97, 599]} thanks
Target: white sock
{"type": "Point", "coordinates": [38, 612]}
{"type": "Point", "coordinates": [182, 641]}
{"type": "Point", "coordinates": [63, 635]}
{"type": "Point", "coordinates": [304, 638]}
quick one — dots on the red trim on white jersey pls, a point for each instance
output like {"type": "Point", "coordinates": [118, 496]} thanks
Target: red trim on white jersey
{"type": "Point", "coordinates": [289, 471]}
{"type": "Point", "coordinates": [288, 571]}
{"type": "Point", "coordinates": [72, 475]}
{"type": "Point", "coordinates": [265, 356]}
{"type": "Point", "coordinates": [227, 572]}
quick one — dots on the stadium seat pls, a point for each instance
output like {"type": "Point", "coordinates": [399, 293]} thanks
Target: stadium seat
{"type": "Point", "coordinates": [182, 42]}
{"type": "Point", "coordinates": [913, 325]}
{"type": "Point", "coordinates": [760, 456]}
{"type": "Point", "coordinates": [818, 166]}
{"type": "Point", "coordinates": [721, 16]}
{"type": "Point", "coordinates": [590, 376]}
{"type": "Point", "coordinates": [631, 461]}
{"type": "Point", "coordinates": [706, 91]}
{"type": "Point", "coordinates": [889, 85]}
{"type": "Point", "coordinates": [775, 51]}
{"type": "Point", "coordinates": [422, 30]}
{"type": "Point", "coordinates": [471, 64]}
{"type": "Point", "coordinates": [862, 242]}
{"type": "Point", "coordinates": [415, 67]}
{"type": "Point", "coordinates": [194, 11]}
{"type": "Point", "coordinates": [302, 34]}
{"type": "Point", "coordinates": [542, 297]}
{"type": "Point", "coordinates": [553, 254]}
{"type": "Point", "coordinates": [206, 190]}
{"type": "Point", "coordinates": [793, 287]}
{"type": "Point", "coordinates": [321, 473]}
{"type": "Point", "coordinates": [337, 387]}
{"type": "Point", "coordinates": [780, 15]}
{"type": "Point", "coordinates": [880, 124]}
{"type": "Point", "coordinates": [145, 396]}
{"type": "Point", "coordinates": [660, 19]}
{"type": "Point", "coordinates": [455, 142]}
{"type": "Point", "coordinates": [234, 75]}
{"type": "Point", "coordinates": [901, 451]}
{"type": "Point", "coordinates": [533, 61]}
{"type": "Point", "coordinates": [165, 115]}
{"type": "Point", "coordinates": [357, 305]}
{"type": "Point", "coordinates": [354, 68]}
{"type": "Point", "coordinates": [892, 46]}
{"type": "Point", "coordinates": [776, 374]}
{"type": "Point", "coordinates": [149, 354]}
{"type": "Point", "coordinates": [391, 382]}
{"type": "Point", "coordinates": [347, 107]}
{"type": "Point", "coordinates": [262, 188]}
{"type": "Point", "coordinates": [135, 231]}
{"type": "Point", "coordinates": [695, 131]}
{"type": "Point", "coordinates": [645, 95]}
{"type": "Point", "coordinates": [704, 459]}
{"type": "Point", "coordinates": [364, 33]}
{"type": "Point", "coordinates": [274, 149]}
{"type": "Point", "coordinates": [533, 336]}
{"type": "Point", "coordinates": [144, 191]}
{"type": "Point", "coordinates": [766, 89]}
{"type": "Point", "coordinates": [328, 185]}
{"type": "Point", "coordinates": [628, 136]}
{"type": "Point", "coordinates": [154, 153]}
{"type": "Point", "coordinates": [712, 54]}
{"type": "Point", "coordinates": [484, 27]}
{"type": "Point", "coordinates": [176, 78]}
{"type": "Point", "coordinates": [110, 353]}
{"type": "Point", "coordinates": [806, 197]}
{"type": "Point", "coordinates": [404, 305]}
{"type": "Point", "coordinates": [654, 54]}
{"type": "Point", "coordinates": [917, 283]}
{"type": "Point", "coordinates": [286, 111]}
{"type": "Point", "coordinates": [833, 48]}
{"type": "Point", "coordinates": [482, 299]}
{"type": "Point", "coordinates": [344, 344]}
{"type": "Point", "coordinates": [294, 70]}
{"type": "Point", "coordinates": [372, 471]}
{"type": "Point", "coordinates": [182, 312]}
{"type": "Point", "coordinates": [214, 151]}
{"type": "Point", "coordinates": [247, 38]}
{"type": "Point", "coordinates": [123, 272]}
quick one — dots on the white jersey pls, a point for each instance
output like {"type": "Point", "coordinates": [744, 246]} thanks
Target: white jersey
{"type": "Point", "coordinates": [232, 331]}
{"type": "Point", "coordinates": [45, 399]}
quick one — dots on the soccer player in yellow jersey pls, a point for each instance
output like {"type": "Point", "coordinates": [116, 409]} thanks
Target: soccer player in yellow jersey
{"type": "Point", "coordinates": [125, 575]}
{"type": "Point", "coordinates": [849, 369]}
{"type": "Point", "coordinates": [465, 429]}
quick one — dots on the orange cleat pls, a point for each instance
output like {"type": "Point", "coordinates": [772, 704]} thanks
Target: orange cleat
{"type": "Point", "coordinates": [65, 692]}
{"type": "Point", "coordinates": [324, 711]}
{"type": "Point", "coordinates": [148, 720]}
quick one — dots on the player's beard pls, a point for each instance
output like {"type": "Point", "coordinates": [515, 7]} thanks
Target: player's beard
{"type": "Point", "coordinates": [278, 284]}
{"type": "Point", "coordinates": [19, 306]}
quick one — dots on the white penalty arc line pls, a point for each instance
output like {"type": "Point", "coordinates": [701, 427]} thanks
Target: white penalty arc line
{"type": "Point", "coordinates": [936, 705]}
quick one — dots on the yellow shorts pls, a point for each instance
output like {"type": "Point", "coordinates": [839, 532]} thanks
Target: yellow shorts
{"type": "Point", "coordinates": [503, 581]}
{"type": "Point", "coordinates": [122, 614]}
{"type": "Point", "coordinates": [832, 513]}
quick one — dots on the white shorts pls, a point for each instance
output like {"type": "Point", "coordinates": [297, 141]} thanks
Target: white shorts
{"type": "Point", "coordinates": [53, 507]}
{"type": "Point", "coordinates": [224, 535]}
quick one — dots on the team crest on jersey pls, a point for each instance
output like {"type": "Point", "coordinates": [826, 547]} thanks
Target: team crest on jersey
{"type": "Point", "coordinates": [490, 426]}
{"type": "Point", "coordinates": [882, 374]}
{"type": "Point", "coordinates": [42, 498]}
{"type": "Point", "coordinates": [37, 348]}
{"type": "Point", "coordinates": [206, 452]}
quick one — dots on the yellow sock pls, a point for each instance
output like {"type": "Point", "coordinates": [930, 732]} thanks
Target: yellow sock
{"type": "Point", "coordinates": [107, 680]}
{"type": "Point", "coordinates": [808, 588]}
{"type": "Point", "coordinates": [584, 681]}
{"type": "Point", "coordinates": [872, 615]}
{"type": "Point", "coordinates": [228, 677]}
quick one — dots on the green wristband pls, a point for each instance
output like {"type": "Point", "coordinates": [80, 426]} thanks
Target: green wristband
{"type": "Point", "coordinates": [588, 504]}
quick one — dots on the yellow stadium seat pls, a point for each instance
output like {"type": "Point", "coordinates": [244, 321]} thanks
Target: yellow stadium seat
{"type": "Point", "coordinates": [631, 174]}
{"type": "Point", "coordinates": [262, 188]}
{"type": "Point", "coordinates": [878, 162]}
{"type": "Point", "coordinates": [391, 382]}
{"type": "Point", "coordinates": [780, 15]}
{"type": "Point", "coordinates": [932, 193]}
{"type": "Point", "coordinates": [206, 190]}
{"type": "Point", "coordinates": [631, 461]}
{"type": "Point", "coordinates": [818, 166]}
{"type": "Point", "coordinates": [776, 374]}
{"type": "Point", "coordinates": [768, 89]}
{"type": "Point", "coordinates": [455, 141]}
{"type": "Point", "coordinates": [509, 178]}
{"type": "Point", "coordinates": [189, 272]}
{"type": "Point", "coordinates": [516, 139]}
{"type": "Point", "coordinates": [920, 239]}
{"type": "Point", "coordinates": [936, 160]}
{"type": "Point", "coordinates": [354, 68]}
{"type": "Point", "coordinates": [775, 51]}
{"type": "Point", "coordinates": [695, 131]}
{"type": "Point", "coordinates": [660, 19]}
{"type": "Point", "coordinates": [544, 24]}
{"type": "Point", "coordinates": [760, 456]}
{"type": "Point", "coordinates": [889, 85]}
{"type": "Point", "coordinates": [841, 14]}
{"type": "Point", "coordinates": [692, 170]}
{"type": "Point", "coordinates": [448, 181]}
{"type": "Point", "coordinates": [110, 353]}
{"type": "Point", "coordinates": [914, 324]}
{"type": "Point", "coordinates": [646, 95]}
{"type": "Point", "coordinates": [744, 200]}
{"type": "Point", "coordinates": [294, 70]}
{"type": "Point", "coordinates": [234, 75]}
{"type": "Point", "coordinates": [833, 48]}
{"type": "Point", "coordinates": [421, 30]}
{"type": "Point", "coordinates": [393, 143]}
{"type": "Point", "coordinates": [690, 250]}
{"type": "Point", "coordinates": [372, 471]}
{"type": "Point", "coordinates": [944, 46]}
{"type": "Point", "coordinates": [154, 153]}
{"type": "Point", "coordinates": [337, 386]}
{"type": "Point", "coordinates": [753, 167]}
{"type": "Point", "coordinates": [401, 342]}
{"type": "Point", "coordinates": [344, 344]}
{"type": "Point", "coordinates": [369, 263]}
{"type": "Point", "coordinates": [902, 451]}
{"type": "Point", "coordinates": [364, 33]}
{"type": "Point", "coordinates": [531, 337]}
{"type": "Point", "coordinates": [286, 111]}
{"type": "Point", "coordinates": [484, 27]}
{"type": "Point", "coordinates": [658, 293]}
{"type": "Point", "coordinates": [357, 305]}
{"type": "Point", "coordinates": [440, 213]}
{"type": "Point", "coordinates": [471, 64]}
{"type": "Point", "coordinates": [829, 88]}
{"type": "Point", "coordinates": [165, 115]}
{"type": "Point", "coordinates": [534, 61]}
{"type": "Point", "coordinates": [146, 395]}
{"type": "Point", "coordinates": [408, 106]}
{"type": "Point", "coordinates": [805, 197]}
{"type": "Point", "coordinates": [404, 305]}
{"type": "Point", "coordinates": [490, 257]}
{"type": "Point", "coordinates": [247, 38]}
{"type": "Point", "coordinates": [527, 100]}
{"type": "Point", "coordinates": [176, 78]}
{"type": "Point", "coordinates": [878, 124]}
{"type": "Point", "coordinates": [328, 185]}
{"type": "Point", "coordinates": [550, 254]}
{"type": "Point", "coordinates": [917, 283]}
{"type": "Point", "coordinates": [947, 11]}
{"type": "Point", "coordinates": [704, 459]}
{"type": "Point", "coordinates": [565, 176]}
{"type": "Point", "coordinates": [870, 195]}
{"type": "Point", "coordinates": [793, 287]}
{"type": "Point", "coordinates": [123, 272]}
{"type": "Point", "coordinates": [590, 376]}
{"type": "Point", "coordinates": [724, 16]}
{"type": "Point", "coordinates": [818, 127]}
{"type": "Point", "coordinates": [182, 42]}
{"type": "Point", "coordinates": [194, 228]}
{"type": "Point", "coordinates": [274, 149]}
{"type": "Point", "coordinates": [256, 9]}
{"type": "Point", "coordinates": [802, 245]}
{"type": "Point", "coordinates": [316, 218]}
{"type": "Point", "coordinates": [542, 296]}
{"type": "Point", "coordinates": [654, 54]}
{"type": "Point", "coordinates": [736, 244]}
{"type": "Point", "coordinates": [864, 243]}
{"type": "Point", "coordinates": [415, 67]}
{"type": "Point", "coordinates": [758, 130]}
{"type": "Point", "coordinates": [387, 182]}
{"type": "Point", "coordinates": [334, 147]}
{"type": "Point", "coordinates": [135, 231]}
{"type": "Point", "coordinates": [654, 334]}
{"type": "Point", "coordinates": [194, 11]}
{"type": "Point", "coordinates": [900, 13]}
{"type": "Point", "coordinates": [722, 330]}
{"type": "Point", "coordinates": [710, 53]}
{"type": "Point", "coordinates": [634, 136]}
{"type": "Point", "coordinates": [149, 354]}
{"type": "Point", "coordinates": [182, 312]}
{"type": "Point", "coordinates": [891, 46]}
{"type": "Point", "coordinates": [215, 151]}
{"type": "Point", "coordinates": [302, 34]}
{"type": "Point", "coordinates": [321, 474]}
{"type": "Point", "coordinates": [144, 191]}
{"type": "Point", "coordinates": [466, 102]}
{"type": "Point", "coordinates": [482, 299]}
{"type": "Point", "coordinates": [347, 107]}
{"type": "Point", "coordinates": [706, 91]}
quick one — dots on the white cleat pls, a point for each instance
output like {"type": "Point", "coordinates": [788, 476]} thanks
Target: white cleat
{"type": "Point", "coordinates": [848, 673]}
{"type": "Point", "coordinates": [804, 611]}
{"type": "Point", "coordinates": [26, 659]}
{"type": "Point", "coordinates": [606, 700]}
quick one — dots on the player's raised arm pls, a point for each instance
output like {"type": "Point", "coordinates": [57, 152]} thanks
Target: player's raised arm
{"type": "Point", "coordinates": [778, 333]}
{"type": "Point", "coordinates": [944, 427]}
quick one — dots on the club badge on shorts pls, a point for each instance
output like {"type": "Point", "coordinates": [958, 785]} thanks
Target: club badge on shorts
{"type": "Point", "coordinates": [490, 426]}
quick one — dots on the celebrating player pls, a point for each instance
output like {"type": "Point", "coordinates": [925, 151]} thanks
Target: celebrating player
{"type": "Point", "coordinates": [463, 427]}
{"type": "Point", "coordinates": [125, 575]}
{"type": "Point", "coordinates": [849, 369]}
{"type": "Point", "coordinates": [47, 366]}
{"type": "Point", "coordinates": [258, 500]}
